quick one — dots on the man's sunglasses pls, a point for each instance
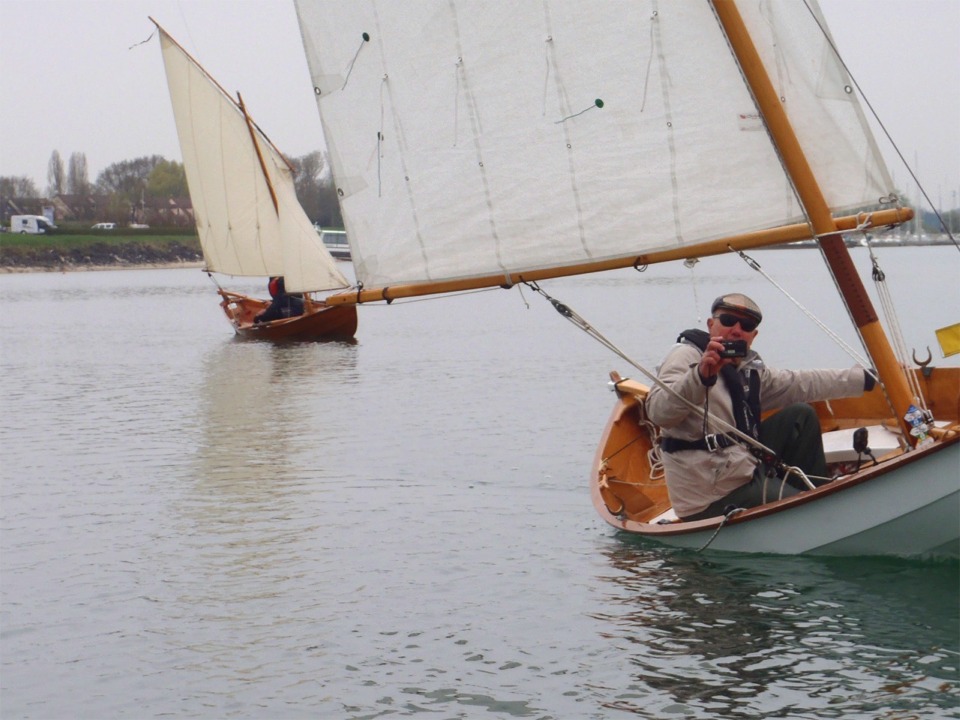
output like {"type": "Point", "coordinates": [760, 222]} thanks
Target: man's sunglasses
{"type": "Point", "coordinates": [746, 324]}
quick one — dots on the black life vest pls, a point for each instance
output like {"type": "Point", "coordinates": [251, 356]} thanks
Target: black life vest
{"type": "Point", "coordinates": [744, 391]}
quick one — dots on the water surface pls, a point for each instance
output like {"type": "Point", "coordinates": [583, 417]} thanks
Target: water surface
{"type": "Point", "coordinates": [196, 527]}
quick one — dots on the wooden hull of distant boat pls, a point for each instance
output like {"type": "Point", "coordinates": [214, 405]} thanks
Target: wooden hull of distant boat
{"type": "Point", "coordinates": [908, 504]}
{"type": "Point", "coordinates": [318, 322]}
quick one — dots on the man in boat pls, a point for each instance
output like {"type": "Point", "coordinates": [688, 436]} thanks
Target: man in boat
{"type": "Point", "coordinates": [283, 305]}
{"type": "Point", "coordinates": [710, 470]}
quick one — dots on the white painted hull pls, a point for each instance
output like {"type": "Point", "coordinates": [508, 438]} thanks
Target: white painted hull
{"type": "Point", "coordinates": [911, 511]}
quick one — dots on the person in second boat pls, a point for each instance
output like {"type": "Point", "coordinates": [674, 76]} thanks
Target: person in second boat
{"type": "Point", "coordinates": [283, 305]}
{"type": "Point", "coordinates": [709, 472]}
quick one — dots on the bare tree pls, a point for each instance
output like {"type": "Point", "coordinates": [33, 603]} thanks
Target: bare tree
{"type": "Point", "coordinates": [18, 187]}
{"type": "Point", "coordinates": [306, 181]}
{"type": "Point", "coordinates": [330, 216]}
{"type": "Point", "coordinates": [78, 183]}
{"type": "Point", "coordinates": [315, 190]}
{"type": "Point", "coordinates": [56, 177]}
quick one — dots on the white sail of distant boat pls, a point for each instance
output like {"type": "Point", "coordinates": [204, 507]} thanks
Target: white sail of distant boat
{"type": "Point", "coordinates": [478, 144]}
{"type": "Point", "coordinates": [249, 220]}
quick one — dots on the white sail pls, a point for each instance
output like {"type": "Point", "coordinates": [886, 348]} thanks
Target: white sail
{"type": "Point", "coordinates": [472, 139]}
{"type": "Point", "coordinates": [241, 231]}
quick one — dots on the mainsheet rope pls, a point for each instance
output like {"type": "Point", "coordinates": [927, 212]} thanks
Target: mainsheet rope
{"type": "Point", "coordinates": [727, 428]}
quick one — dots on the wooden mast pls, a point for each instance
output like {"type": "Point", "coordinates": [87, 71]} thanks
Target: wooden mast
{"type": "Point", "coordinates": [838, 258]}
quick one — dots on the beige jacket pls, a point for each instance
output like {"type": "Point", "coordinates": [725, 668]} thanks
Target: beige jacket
{"type": "Point", "coordinates": [696, 478]}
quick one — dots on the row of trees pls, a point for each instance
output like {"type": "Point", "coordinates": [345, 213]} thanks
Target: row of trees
{"type": "Point", "coordinates": [131, 184]}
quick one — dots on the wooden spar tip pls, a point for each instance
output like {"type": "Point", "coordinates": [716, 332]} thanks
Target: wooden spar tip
{"type": "Point", "coordinates": [748, 241]}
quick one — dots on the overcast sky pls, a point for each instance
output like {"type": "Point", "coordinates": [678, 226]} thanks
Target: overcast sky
{"type": "Point", "coordinates": [74, 78]}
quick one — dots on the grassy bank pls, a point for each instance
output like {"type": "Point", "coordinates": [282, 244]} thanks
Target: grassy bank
{"type": "Point", "coordinates": [67, 250]}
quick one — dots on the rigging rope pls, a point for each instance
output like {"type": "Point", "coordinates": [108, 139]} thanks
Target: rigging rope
{"type": "Point", "coordinates": [893, 323]}
{"type": "Point", "coordinates": [836, 338]}
{"type": "Point", "coordinates": [210, 275]}
{"type": "Point", "coordinates": [727, 516]}
{"type": "Point", "coordinates": [653, 455]}
{"type": "Point", "coordinates": [886, 304]}
{"type": "Point", "coordinates": [581, 323]}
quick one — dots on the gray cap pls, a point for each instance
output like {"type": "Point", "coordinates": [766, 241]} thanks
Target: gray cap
{"type": "Point", "coordinates": [737, 302]}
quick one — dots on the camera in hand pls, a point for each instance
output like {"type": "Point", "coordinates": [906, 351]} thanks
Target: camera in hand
{"type": "Point", "coordinates": [734, 349]}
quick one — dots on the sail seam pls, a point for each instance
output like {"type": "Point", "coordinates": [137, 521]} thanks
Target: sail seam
{"type": "Point", "coordinates": [385, 89]}
{"type": "Point", "coordinates": [665, 85]}
{"type": "Point", "coordinates": [566, 112]}
{"type": "Point", "coordinates": [476, 125]}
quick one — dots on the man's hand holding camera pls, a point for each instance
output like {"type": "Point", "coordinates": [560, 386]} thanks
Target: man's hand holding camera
{"type": "Point", "coordinates": [720, 352]}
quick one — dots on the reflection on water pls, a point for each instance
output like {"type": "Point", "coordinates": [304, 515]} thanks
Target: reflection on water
{"type": "Point", "coordinates": [256, 408]}
{"type": "Point", "coordinates": [796, 637]}
{"type": "Point", "coordinates": [258, 411]}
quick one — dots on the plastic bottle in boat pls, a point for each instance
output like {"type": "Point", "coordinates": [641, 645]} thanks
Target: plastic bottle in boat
{"type": "Point", "coordinates": [918, 427]}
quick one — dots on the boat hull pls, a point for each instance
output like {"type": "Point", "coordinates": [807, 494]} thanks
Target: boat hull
{"type": "Point", "coordinates": [907, 505]}
{"type": "Point", "coordinates": [318, 322]}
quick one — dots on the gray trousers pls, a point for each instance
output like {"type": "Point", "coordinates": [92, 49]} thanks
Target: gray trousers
{"type": "Point", "coordinates": [794, 435]}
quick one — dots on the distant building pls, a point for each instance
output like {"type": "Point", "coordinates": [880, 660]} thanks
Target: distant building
{"type": "Point", "coordinates": [156, 212]}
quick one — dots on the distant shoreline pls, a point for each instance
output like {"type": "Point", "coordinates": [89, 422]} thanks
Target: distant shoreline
{"type": "Point", "coordinates": [11, 270]}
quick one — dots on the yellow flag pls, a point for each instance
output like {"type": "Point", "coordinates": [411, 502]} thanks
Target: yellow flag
{"type": "Point", "coordinates": [949, 339]}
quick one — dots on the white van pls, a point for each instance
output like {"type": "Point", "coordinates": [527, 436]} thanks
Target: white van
{"type": "Point", "coordinates": [31, 224]}
{"type": "Point", "coordinates": [104, 226]}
